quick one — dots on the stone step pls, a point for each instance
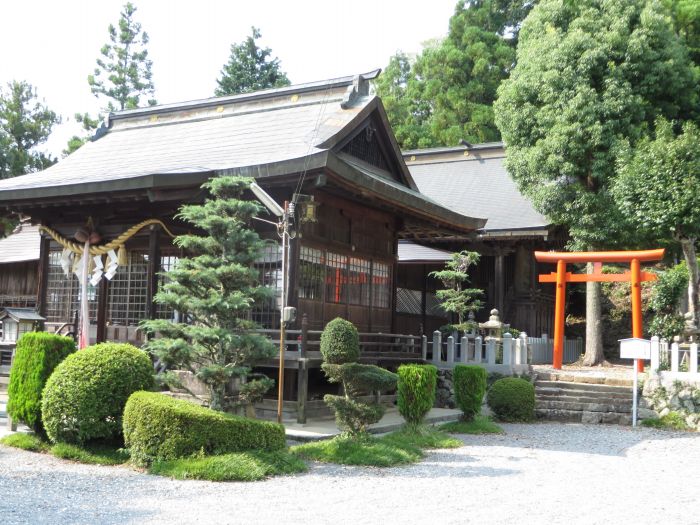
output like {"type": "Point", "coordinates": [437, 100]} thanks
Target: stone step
{"type": "Point", "coordinates": [584, 379]}
{"type": "Point", "coordinates": [582, 398]}
{"type": "Point", "coordinates": [579, 416]}
{"type": "Point", "coordinates": [589, 387]}
{"type": "Point", "coordinates": [549, 391]}
{"type": "Point", "coordinates": [622, 408]}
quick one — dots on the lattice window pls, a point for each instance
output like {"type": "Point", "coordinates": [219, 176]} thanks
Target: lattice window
{"type": "Point", "coordinates": [409, 301]}
{"type": "Point", "coordinates": [433, 306]}
{"type": "Point", "coordinates": [358, 281]}
{"type": "Point", "coordinates": [128, 291]}
{"type": "Point", "coordinates": [381, 285]}
{"type": "Point", "coordinates": [336, 277]}
{"type": "Point", "coordinates": [63, 294]}
{"type": "Point", "coordinates": [365, 146]}
{"type": "Point", "coordinates": [167, 263]}
{"type": "Point", "coordinates": [269, 265]}
{"type": "Point", "coordinates": [311, 271]}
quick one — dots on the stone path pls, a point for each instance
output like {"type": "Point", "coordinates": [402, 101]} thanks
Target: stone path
{"type": "Point", "coordinates": [541, 473]}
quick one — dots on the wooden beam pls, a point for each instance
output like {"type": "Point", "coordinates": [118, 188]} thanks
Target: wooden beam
{"type": "Point", "coordinates": [599, 278]}
{"type": "Point", "coordinates": [101, 335]}
{"type": "Point", "coordinates": [43, 276]}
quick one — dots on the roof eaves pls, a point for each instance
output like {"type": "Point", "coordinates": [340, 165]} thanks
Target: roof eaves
{"type": "Point", "coordinates": [403, 196]}
{"type": "Point", "coordinates": [452, 149]}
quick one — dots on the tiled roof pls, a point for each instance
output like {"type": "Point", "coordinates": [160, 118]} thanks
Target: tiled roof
{"type": "Point", "coordinates": [22, 245]}
{"type": "Point", "coordinates": [410, 252]}
{"type": "Point", "coordinates": [477, 186]}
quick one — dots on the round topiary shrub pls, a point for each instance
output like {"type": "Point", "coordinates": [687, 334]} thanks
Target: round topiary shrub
{"type": "Point", "coordinates": [469, 383]}
{"type": "Point", "coordinates": [36, 356]}
{"type": "Point", "coordinates": [416, 391]}
{"type": "Point", "coordinates": [512, 399]}
{"type": "Point", "coordinates": [158, 427]}
{"type": "Point", "coordinates": [340, 342]}
{"type": "Point", "coordinates": [85, 396]}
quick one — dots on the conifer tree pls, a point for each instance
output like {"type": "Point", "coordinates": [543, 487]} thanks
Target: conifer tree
{"type": "Point", "coordinates": [250, 68]}
{"type": "Point", "coordinates": [123, 74]}
{"type": "Point", "coordinates": [215, 287]}
{"type": "Point", "coordinates": [457, 297]}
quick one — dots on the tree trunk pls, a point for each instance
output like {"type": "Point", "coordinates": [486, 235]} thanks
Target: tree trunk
{"type": "Point", "coordinates": [594, 324]}
{"type": "Point", "coordinates": [691, 259]}
{"type": "Point", "coordinates": [217, 397]}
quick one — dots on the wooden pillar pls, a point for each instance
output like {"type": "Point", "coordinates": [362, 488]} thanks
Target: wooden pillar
{"type": "Point", "coordinates": [500, 283]}
{"type": "Point", "coordinates": [153, 269]}
{"type": "Point", "coordinates": [637, 330]}
{"type": "Point", "coordinates": [101, 335]}
{"type": "Point", "coordinates": [44, 248]}
{"type": "Point", "coordinates": [559, 315]}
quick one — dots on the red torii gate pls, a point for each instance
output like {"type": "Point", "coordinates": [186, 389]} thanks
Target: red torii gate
{"type": "Point", "coordinates": [561, 277]}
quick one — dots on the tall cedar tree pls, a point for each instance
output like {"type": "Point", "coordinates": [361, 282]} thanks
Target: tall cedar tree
{"type": "Point", "coordinates": [215, 286]}
{"type": "Point", "coordinates": [123, 73]}
{"type": "Point", "coordinates": [456, 297]}
{"type": "Point", "coordinates": [591, 76]}
{"type": "Point", "coordinates": [250, 68]}
{"type": "Point", "coordinates": [25, 123]}
{"type": "Point", "coordinates": [446, 94]}
{"type": "Point", "coordinates": [658, 187]}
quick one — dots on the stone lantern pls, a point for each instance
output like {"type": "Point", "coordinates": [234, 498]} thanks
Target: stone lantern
{"type": "Point", "coordinates": [18, 321]}
{"type": "Point", "coordinates": [494, 328]}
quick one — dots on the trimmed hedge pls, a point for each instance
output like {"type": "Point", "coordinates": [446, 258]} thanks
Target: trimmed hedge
{"type": "Point", "coordinates": [85, 396]}
{"type": "Point", "coordinates": [512, 399]}
{"type": "Point", "coordinates": [340, 342]}
{"type": "Point", "coordinates": [159, 427]}
{"type": "Point", "coordinates": [416, 391]}
{"type": "Point", "coordinates": [36, 356]}
{"type": "Point", "coordinates": [469, 383]}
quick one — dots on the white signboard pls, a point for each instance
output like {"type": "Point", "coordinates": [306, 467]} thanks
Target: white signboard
{"type": "Point", "coordinates": [634, 348]}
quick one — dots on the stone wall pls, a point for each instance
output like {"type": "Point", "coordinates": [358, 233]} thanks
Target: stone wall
{"type": "Point", "coordinates": [665, 394]}
{"type": "Point", "coordinates": [444, 392]}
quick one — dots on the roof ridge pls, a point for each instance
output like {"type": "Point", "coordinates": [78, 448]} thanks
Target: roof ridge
{"type": "Point", "coordinates": [245, 97]}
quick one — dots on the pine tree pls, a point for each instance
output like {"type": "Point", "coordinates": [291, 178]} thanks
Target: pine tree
{"type": "Point", "coordinates": [215, 287]}
{"type": "Point", "coordinates": [250, 68]}
{"type": "Point", "coordinates": [122, 76]}
{"type": "Point", "coordinates": [25, 123]}
{"type": "Point", "coordinates": [456, 298]}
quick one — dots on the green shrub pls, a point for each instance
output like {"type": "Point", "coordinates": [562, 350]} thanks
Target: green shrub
{"type": "Point", "coordinates": [85, 396]}
{"type": "Point", "coordinates": [36, 356]}
{"type": "Point", "coordinates": [340, 348]}
{"type": "Point", "coordinates": [512, 399]}
{"type": "Point", "coordinates": [158, 427]}
{"type": "Point", "coordinates": [416, 391]}
{"type": "Point", "coordinates": [340, 342]}
{"type": "Point", "coordinates": [469, 383]}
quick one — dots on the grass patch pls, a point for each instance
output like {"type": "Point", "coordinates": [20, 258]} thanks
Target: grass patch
{"type": "Point", "coordinates": [479, 425]}
{"type": "Point", "coordinates": [25, 441]}
{"type": "Point", "coordinates": [671, 421]}
{"type": "Point", "coordinates": [397, 448]}
{"type": "Point", "coordinates": [91, 454]}
{"type": "Point", "coordinates": [422, 437]}
{"type": "Point", "coordinates": [243, 466]}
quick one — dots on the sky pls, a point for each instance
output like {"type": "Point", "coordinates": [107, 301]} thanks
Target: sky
{"type": "Point", "coordinates": [53, 44]}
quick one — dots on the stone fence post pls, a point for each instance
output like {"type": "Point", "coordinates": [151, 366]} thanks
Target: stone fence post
{"type": "Point", "coordinates": [693, 365]}
{"type": "Point", "coordinates": [655, 354]}
{"type": "Point", "coordinates": [464, 349]}
{"type": "Point", "coordinates": [491, 351]}
{"type": "Point", "coordinates": [450, 350]}
{"type": "Point", "coordinates": [507, 349]}
{"type": "Point", "coordinates": [478, 350]}
{"type": "Point", "coordinates": [437, 346]}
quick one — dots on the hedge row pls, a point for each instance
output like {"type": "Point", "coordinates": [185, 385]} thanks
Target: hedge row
{"type": "Point", "coordinates": [159, 427]}
{"type": "Point", "coordinates": [416, 391]}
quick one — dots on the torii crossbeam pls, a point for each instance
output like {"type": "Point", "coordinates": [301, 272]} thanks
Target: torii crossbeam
{"type": "Point", "coordinates": [561, 277]}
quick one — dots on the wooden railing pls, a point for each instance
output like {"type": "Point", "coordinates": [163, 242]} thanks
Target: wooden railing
{"type": "Point", "coordinates": [373, 346]}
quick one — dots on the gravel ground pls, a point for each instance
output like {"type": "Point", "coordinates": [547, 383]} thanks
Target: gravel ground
{"type": "Point", "coordinates": [540, 473]}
